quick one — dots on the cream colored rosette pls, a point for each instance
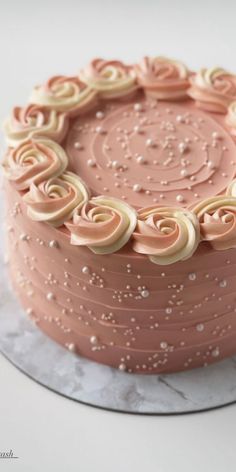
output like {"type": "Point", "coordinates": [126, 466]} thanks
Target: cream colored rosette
{"type": "Point", "coordinates": [64, 94]}
{"type": "Point", "coordinates": [53, 201]}
{"type": "Point", "coordinates": [213, 89]}
{"type": "Point", "coordinates": [230, 118]}
{"type": "Point", "coordinates": [166, 234]}
{"type": "Point", "coordinates": [217, 219]}
{"type": "Point", "coordinates": [34, 121]}
{"type": "Point", "coordinates": [163, 78]}
{"type": "Point", "coordinates": [34, 161]}
{"type": "Point", "coordinates": [111, 79]}
{"type": "Point", "coordinates": [105, 225]}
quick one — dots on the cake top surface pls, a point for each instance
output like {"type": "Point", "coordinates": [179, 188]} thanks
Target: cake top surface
{"type": "Point", "coordinates": [148, 152]}
{"type": "Point", "coordinates": [141, 153]}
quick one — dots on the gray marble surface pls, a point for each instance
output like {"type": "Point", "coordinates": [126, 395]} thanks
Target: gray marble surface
{"type": "Point", "coordinates": [85, 381]}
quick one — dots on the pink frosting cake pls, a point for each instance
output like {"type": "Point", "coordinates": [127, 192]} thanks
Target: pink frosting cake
{"type": "Point", "coordinates": [121, 213]}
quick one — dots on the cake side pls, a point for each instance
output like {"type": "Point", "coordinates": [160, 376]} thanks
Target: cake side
{"type": "Point", "coordinates": [120, 309]}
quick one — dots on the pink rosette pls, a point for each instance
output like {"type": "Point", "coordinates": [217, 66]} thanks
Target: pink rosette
{"type": "Point", "coordinates": [217, 219]}
{"type": "Point", "coordinates": [53, 201]}
{"type": "Point", "coordinates": [64, 94]}
{"type": "Point", "coordinates": [213, 89]}
{"type": "Point", "coordinates": [34, 161]}
{"type": "Point", "coordinates": [166, 234]}
{"type": "Point", "coordinates": [104, 224]}
{"type": "Point", "coordinates": [163, 78]}
{"type": "Point", "coordinates": [34, 121]}
{"type": "Point", "coordinates": [111, 79]}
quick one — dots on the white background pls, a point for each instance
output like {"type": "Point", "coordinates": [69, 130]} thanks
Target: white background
{"type": "Point", "coordinates": [48, 432]}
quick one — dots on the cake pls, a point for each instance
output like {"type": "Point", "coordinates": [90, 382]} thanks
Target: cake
{"type": "Point", "coordinates": [121, 213]}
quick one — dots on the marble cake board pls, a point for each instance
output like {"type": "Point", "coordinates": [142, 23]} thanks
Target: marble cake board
{"type": "Point", "coordinates": [49, 364]}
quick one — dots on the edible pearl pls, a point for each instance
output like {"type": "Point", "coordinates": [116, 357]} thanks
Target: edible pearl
{"type": "Point", "coordinates": [24, 237]}
{"type": "Point", "coordinates": [192, 276]}
{"type": "Point", "coordinates": [78, 145]}
{"type": "Point", "coordinates": [184, 173]}
{"type": "Point", "coordinates": [200, 327]}
{"type": "Point", "coordinates": [71, 347]}
{"type": "Point", "coordinates": [50, 296]}
{"type": "Point", "coordinates": [138, 107]}
{"type": "Point", "coordinates": [150, 143]}
{"type": "Point", "coordinates": [53, 243]}
{"type": "Point", "coordinates": [100, 115]}
{"type": "Point", "coordinates": [122, 367]}
{"type": "Point", "coordinates": [85, 270]}
{"type": "Point", "coordinates": [180, 198]}
{"type": "Point", "coordinates": [215, 352]}
{"type": "Point", "coordinates": [141, 160]}
{"type": "Point", "coordinates": [137, 188]}
{"type": "Point", "coordinates": [91, 163]}
{"type": "Point", "coordinates": [182, 147]}
{"type": "Point", "coordinates": [93, 339]}
{"type": "Point", "coordinates": [223, 283]}
{"type": "Point", "coordinates": [145, 293]}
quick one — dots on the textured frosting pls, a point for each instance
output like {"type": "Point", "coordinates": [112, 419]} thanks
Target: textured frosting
{"type": "Point", "coordinates": [105, 225]}
{"type": "Point", "coordinates": [148, 153]}
{"type": "Point", "coordinates": [34, 161]}
{"type": "Point", "coordinates": [122, 310]}
{"type": "Point", "coordinates": [159, 187]}
{"type": "Point", "coordinates": [167, 235]}
{"type": "Point", "coordinates": [213, 89]}
{"type": "Point", "coordinates": [54, 200]}
{"type": "Point", "coordinates": [217, 218]}
{"type": "Point", "coordinates": [111, 79]}
{"type": "Point", "coordinates": [34, 121]}
{"type": "Point", "coordinates": [65, 94]}
{"type": "Point", "coordinates": [163, 78]}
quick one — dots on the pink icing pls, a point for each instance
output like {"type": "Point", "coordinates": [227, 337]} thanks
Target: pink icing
{"type": "Point", "coordinates": [146, 152]}
{"type": "Point", "coordinates": [122, 310]}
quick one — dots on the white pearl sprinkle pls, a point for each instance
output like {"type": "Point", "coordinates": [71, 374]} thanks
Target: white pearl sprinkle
{"type": "Point", "coordinates": [223, 283]}
{"type": "Point", "coordinates": [115, 164]}
{"type": "Point", "coordinates": [215, 135]}
{"type": "Point", "coordinates": [211, 164]}
{"type": "Point", "coordinates": [78, 145]}
{"type": "Point", "coordinates": [50, 296]}
{"type": "Point", "coordinates": [215, 352]}
{"type": "Point", "coordinates": [122, 367]}
{"type": "Point", "coordinates": [180, 198]}
{"type": "Point", "coordinates": [200, 327]}
{"type": "Point", "coordinates": [182, 147]}
{"type": "Point", "coordinates": [150, 143]}
{"type": "Point", "coordinates": [145, 293]}
{"type": "Point", "coordinates": [100, 115]}
{"type": "Point", "coordinates": [141, 160]}
{"type": "Point", "coordinates": [71, 347]}
{"type": "Point", "coordinates": [163, 345]}
{"type": "Point", "coordinates": [138, 107]}
{"type": "Point", "coordinates": [137, 188]}
{"type": "Point", "coordinates": [85, 270]}
{"type": "Point", "coordinates": [53, 243]}
{"type": "Point", "coordinates": [91, 163]}
{"type": "Point", "coordinates": [93, 339]}
{"type": "Point", "coordinates": [184, 173]}
{"type": "Point", "coordinates": [180, 119]}
{"type": "Point", "coordinates": [100, 130]}
{"type": "Point", "coordinates": [24, 237]}
{"type": "Point", "coordinates": [192, 276]}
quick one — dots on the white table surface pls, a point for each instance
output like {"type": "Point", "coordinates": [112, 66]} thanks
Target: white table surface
{"type": "Point", "coordinates": [48, 432]}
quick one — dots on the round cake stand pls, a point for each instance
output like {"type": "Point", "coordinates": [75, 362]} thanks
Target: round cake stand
{"type": "Point", "coordinates": [87, 382]}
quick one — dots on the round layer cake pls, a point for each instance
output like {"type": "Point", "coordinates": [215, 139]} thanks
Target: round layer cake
{"type": "Point", "coordinates": [121, 213]}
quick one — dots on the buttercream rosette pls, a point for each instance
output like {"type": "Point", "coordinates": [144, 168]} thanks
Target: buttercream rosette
{"type": "Point", "coordinates": [104, 225]}
{"type": "Point", "coordinates": [163, 78]}
{"type": "Point", "coordinates": [111, 79]}
{"type": "Point", "coordinates": [217, 219]}
{"type": "Point", "coordinates": [166, 234]}
{"type": "Point", "coordinates": [64, 94]}
{"type": "Point", "coordinates": [34, 161]}
{"type": "Point", "coordinates": [53, 201]}
{"type": "Point", "coordinates": [213, 89]}
{"type": "Point", "coordinates": [230, 118]}
{"type": "Point", "coordinates": [34, 121]}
